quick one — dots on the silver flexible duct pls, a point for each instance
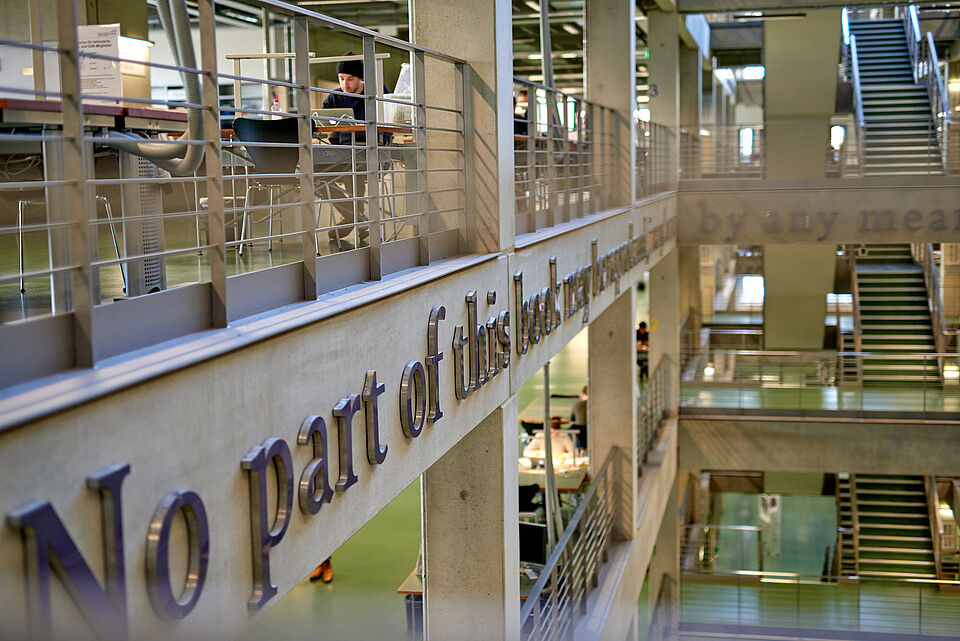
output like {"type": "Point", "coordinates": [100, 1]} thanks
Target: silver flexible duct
{"type": "Point", "coordinates": [182, 159]}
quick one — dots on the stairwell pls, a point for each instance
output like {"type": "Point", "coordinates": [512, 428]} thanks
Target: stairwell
{"type": "Point", "coordinates": [894, 527]}
{"type": "Point", "coordinates": [900, 136]}
{"type": "Point", "coordinates": [895, 319]}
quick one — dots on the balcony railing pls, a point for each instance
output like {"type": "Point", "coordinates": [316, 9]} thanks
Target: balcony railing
{"type": "Point", "coordinates": [557, 599]}
{"type": "Point", "coordinates": [782, 602]}
{"type": "Point", "coordinates": [564, 156]}
{"type": "Point", "coordinates": [747, 151]}
{"type": "Point", "coordinates": [751, 382]}
{"type": "Point", "coordinates": [655, 399]}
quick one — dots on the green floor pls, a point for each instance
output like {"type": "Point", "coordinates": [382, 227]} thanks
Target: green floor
{"type": "Point", "coordinates": [362, 601]}
{"type": "Point", "coordinates": [803, 601]}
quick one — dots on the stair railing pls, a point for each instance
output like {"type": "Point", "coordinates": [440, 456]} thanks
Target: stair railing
{"type": "Point", "coordinates": [911, 24]}
{"type": "Point", "coordinates": [937, 91]}
{"type": "Point", "coordinates": [936, 525]}
{"type": "Point", "coordinates": [855, 519]}
{"type": "Point", "coordinates": [923, 254]}
{"type": "Point", "coordinates": [857, 97]}
{"type": "Point", "coordinates": [857, 325]}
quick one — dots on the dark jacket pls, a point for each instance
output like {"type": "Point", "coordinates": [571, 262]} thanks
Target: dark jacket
{"type": "Point", "coordinates": [337, 101]}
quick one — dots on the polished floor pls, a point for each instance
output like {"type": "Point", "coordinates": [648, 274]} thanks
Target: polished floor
{"type": "Point", "coordinates": [792, 596]}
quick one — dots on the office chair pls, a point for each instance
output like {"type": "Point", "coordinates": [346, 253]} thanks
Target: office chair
{"type": "Point", "coordinates": [270, 160]}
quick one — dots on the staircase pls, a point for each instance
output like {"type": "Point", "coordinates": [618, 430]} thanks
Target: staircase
{"type": "Point", "coordinates": [895, 319]}
{"type": "Point", "coordinates": [894, 538]}
{"type": "Point", "coordinates": [900, 136]}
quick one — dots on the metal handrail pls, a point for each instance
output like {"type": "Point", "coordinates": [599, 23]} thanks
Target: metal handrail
{"type": "Point", "coordinates": [923, 253]}
{"type": "Point", "coordinates": [857, 97]}
{"type": "Point", "coordinates": [938, 97]}
{"type": "Point", "coordinates": [564, 550]}
{"type": "Point", "coordinates": [855, 520]}
{"type": "Point", "coordinates": [936, 525]}
{"type": "Point", "coordinates": [857, 322]}
{"type": "Point", "coordinates": [911, 25]}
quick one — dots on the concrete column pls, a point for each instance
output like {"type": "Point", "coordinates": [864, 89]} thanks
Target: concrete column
{"type": "Point", "coordinates": [664, 313]}
{"type": "Point", "coordinates": [691, 88]}
{"type": "Point", "coordinates": [796, 280]}
{"type": "Point", "coordinates": [950, 280]}
{"type": "Point", "coordinates": [800, 92]}
{"type": "Point", "coordinates": [611, 81]}
{"type": "Point", "coordinates": [487, 47]}
{"type": "Point", "coordinates": [688, 259]}
{"type": "Point", "coordinates": [664, 63]}
{"type": "Point", "coordinates": [612, 416]}
{"type": "Point", "coordinates": [471, 544]}
{"type": "Point", "coordinates": [708, 279]}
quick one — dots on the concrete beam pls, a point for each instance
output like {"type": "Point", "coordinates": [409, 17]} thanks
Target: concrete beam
{"type": "Point", "coordinates": [807, 211]}
{"type": "Point", "coordinates": [822, 445]}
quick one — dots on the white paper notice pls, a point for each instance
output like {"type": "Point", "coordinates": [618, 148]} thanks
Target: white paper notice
{"type": "Point", "coordinates": [100, 77]}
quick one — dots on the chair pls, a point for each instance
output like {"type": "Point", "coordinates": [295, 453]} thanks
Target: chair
{"type": "Point", "coordinates": [528, 502]}
{"type": "Point", "coordinates": [269, 160]}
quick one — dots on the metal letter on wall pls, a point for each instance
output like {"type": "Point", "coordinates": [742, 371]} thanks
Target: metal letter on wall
{"type": "Point", "coordinates": [413, 399]}
{"type": "Point", "coordinates": [376, 451]}
{"type": "Point", "coordinates": [434, 356]}
{"type": "Point", "coordinates": [343, 411]}
{"type": "Point", "coordinates": [523, 312]}
{"type": "Point", "coordinates": [47, 545]}
{"type": "Point", "coordinates": [162, 597]}
{"type": "Point", "coordinates": [264, 537]}
{"type": "Point", "coordinates": [313, 431]}
{"type": "Point", "coordinates": [461, 383]}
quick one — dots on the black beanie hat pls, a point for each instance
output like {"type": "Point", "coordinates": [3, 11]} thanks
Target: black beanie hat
{"type": "Point", "coordinates": [351, 67]}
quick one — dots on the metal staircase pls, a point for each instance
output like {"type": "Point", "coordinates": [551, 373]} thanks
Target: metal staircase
{"type": "Point", "coordinates": [894, 319]}
{"type": "Point", "coordinates": [900, 135]}
{"type": "Point", "coordinates": [894, 527]}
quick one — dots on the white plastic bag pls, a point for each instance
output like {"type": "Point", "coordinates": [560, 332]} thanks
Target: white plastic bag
{"type": "Point", "coordinates": [392, 111]}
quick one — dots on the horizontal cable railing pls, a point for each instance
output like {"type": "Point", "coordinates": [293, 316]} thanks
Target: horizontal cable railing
{"type": "Point", "coordinates": [793, 150]}
{"type": "Point", "coordinates": [803, 602]}
{"type": "Point", "coordinates": [701, 545]}
{"type": "Point", "coordinates": [656, 397]}
{"type": "Point", "coordinates": [811, 383]}
{"type": "Point", "coordinates": [655, 159]}
{"type": "Point", "coordinates": [232, 163]}
{"type": "Point", "coordinates": [564, 150]}
{"type": "Point", "coordinates": [550, 611]}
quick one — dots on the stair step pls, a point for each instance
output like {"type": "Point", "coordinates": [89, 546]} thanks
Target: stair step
{"type": "Point", "coordinates": [908, 575]}
{"type": "Point", "coordinates": [895, 539]}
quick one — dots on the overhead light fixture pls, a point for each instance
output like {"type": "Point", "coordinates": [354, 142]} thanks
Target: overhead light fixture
{"type": "Point", "coordinates": [753, 72]}
{"type": "Point", "coordinates": [569, 55]}
{"type": "Point", "coordinates": [534, 56]}
{"type": "Point", "coordinates": [533, 5]}
{"type": "Point", "coordinates": [569, 28]}
{"type": "Point", "coordinates": [953, 85]}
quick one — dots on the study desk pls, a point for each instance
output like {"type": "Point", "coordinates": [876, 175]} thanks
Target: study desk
{"type": "Point", "coordinates": [20, 112]}
{"type": "Point", "coordinates": [568, 480]}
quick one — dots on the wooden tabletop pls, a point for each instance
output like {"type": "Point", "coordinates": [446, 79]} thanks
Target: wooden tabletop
{"type": "Point", "coordinates": [53, 106]}
{"type": "Point", "coordinates": [567, 480]}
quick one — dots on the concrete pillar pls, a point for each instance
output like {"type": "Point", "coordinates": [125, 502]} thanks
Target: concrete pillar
{"type": "Point", "coordinates": [691, 89]}
{"type": "Point", "coordinates": [611, 81]}
{"type": "Point", "coordinates": [664, 63]}
{"type": "Point", "coordinates": [664, 313]}
{"type": "Point", "coordinates": [487, 47]}
{"type": "Point", "coordinates": [800, 92]}
{"type": "Point", "coordinates": [612, 416]}
{"type": "Point", "coordinates": [688, 259]}
{"type": "Point", "coordinates": [470, 527]}
{"type": "Point", "coordinates": [708, 279]}
{"type": "Point", "coordinates": [796, 280]}
{"type": "Point", "coordinates": [950, 281]}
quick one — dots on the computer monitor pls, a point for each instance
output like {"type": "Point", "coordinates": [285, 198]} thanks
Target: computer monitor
{"type": "Point", "coordinates": [533, 543]}
{"type": "Point", "coordinates": [334, 117]}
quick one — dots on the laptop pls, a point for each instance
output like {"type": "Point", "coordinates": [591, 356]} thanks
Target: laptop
{"type": "Point", "coordinates": [334, 117]}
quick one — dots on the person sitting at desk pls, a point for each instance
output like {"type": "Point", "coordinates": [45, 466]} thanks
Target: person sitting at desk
{"type": "Point", "coordinates": [350, 77]}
